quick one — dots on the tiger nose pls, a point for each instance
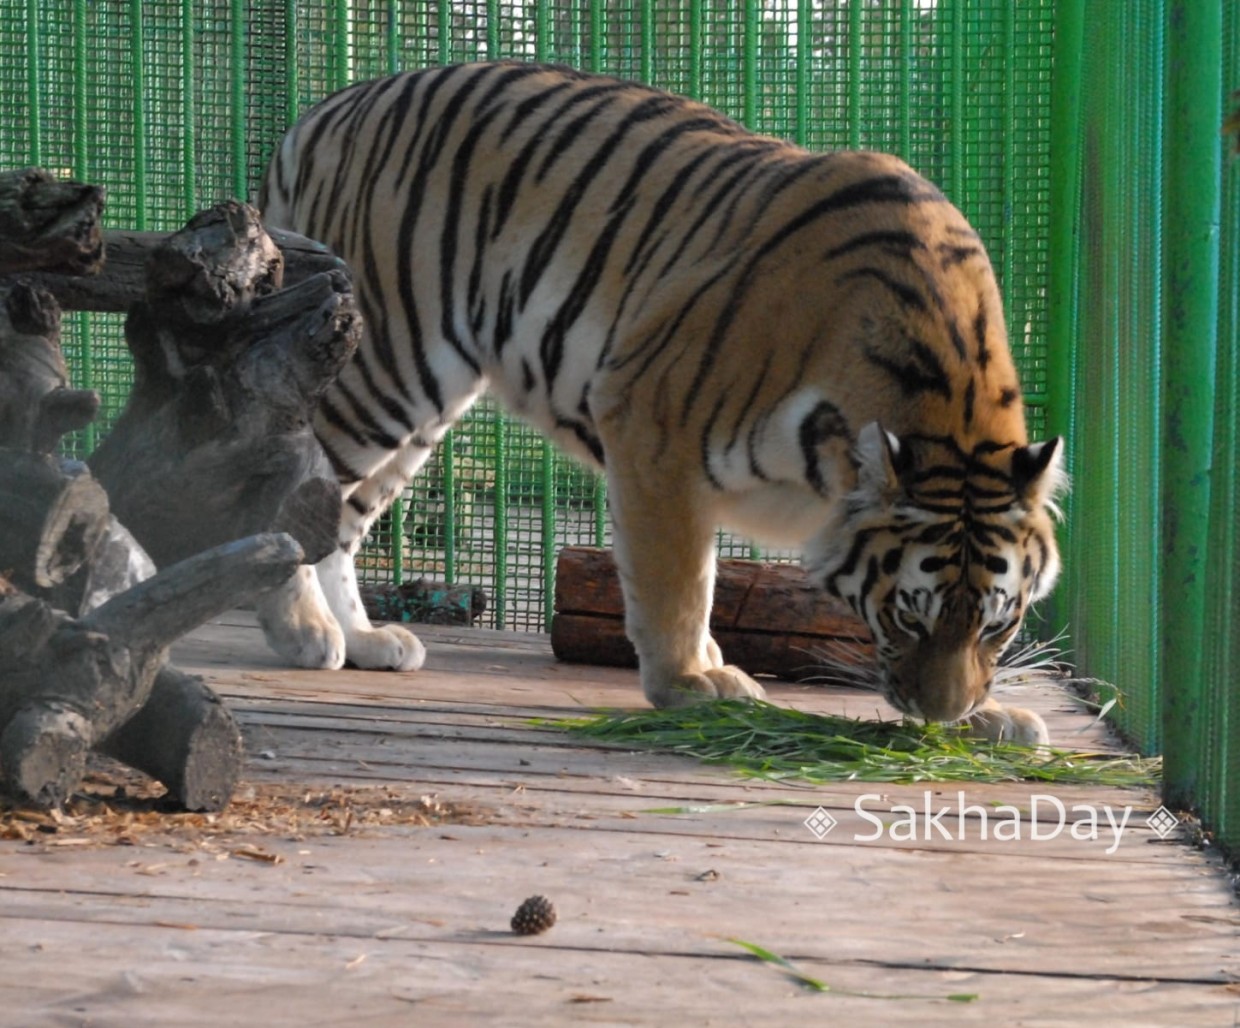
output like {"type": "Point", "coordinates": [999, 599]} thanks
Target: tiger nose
{"type": "Point", "coordinates": [945, 686]}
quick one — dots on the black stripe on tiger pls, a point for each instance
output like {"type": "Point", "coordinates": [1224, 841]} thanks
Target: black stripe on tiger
{"type": "Point", "coordinates": [519, 166]}
{"type": "Point", "coordinates": [551, 348]}
{"type": "Point", "coordinates": [822, 423]}
{"type": "Point", "coordinates": [905, 189]}
{"type": "Point", "coordinates": [548, 240]}
{"type": "Point", "coordinates": [906, 294]}
{"type": "Point", "coordinates": [894, 243]}
{"type": "Point", "coordinates": [922, 372]}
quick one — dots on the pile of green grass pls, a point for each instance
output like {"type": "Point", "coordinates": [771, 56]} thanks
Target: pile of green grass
{"type": "Point", "coordinates": [763, 740]}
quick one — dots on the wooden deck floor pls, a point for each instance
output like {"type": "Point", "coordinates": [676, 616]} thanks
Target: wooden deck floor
{"type": "Point", "coordinates": [370, 924]}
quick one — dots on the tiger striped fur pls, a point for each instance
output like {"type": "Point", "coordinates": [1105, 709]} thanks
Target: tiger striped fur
{"type": "Point", "coordinates": [809, 349]}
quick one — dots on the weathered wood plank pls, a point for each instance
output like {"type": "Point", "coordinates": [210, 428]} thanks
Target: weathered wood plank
{"type": "Point", "coordinates": [293, 979]}
{"type": "Point", "coordinates": [619, 893]}
{"type": "Point", "coordinates": [398, 924]}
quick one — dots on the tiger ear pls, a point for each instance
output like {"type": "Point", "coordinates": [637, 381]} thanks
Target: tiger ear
{"type": "Point", "coordinates": [1038, 477]}
{"type": "Point", "coordinates": [881, 459]}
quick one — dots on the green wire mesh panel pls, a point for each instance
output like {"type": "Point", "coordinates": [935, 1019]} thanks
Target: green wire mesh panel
{"type": "Point", "coordinates": [1111, 575]}
{"type": "Point", "coordinates": [1221, 766]}
{"type": "Point", "coordinates": [176, 105]}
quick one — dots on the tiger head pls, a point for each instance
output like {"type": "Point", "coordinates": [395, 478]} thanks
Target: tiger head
{"type": "Point", "coordinates": [941, 551]}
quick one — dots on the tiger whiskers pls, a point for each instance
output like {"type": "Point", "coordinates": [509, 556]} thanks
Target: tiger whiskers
{"type": "Point", "coordinates": [1036, 660]}
{"type": "Point", "coordinates": [842, 663]}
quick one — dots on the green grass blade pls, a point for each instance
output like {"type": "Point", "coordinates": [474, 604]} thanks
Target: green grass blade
{"type": "Point", "coordinates": [767, 741]}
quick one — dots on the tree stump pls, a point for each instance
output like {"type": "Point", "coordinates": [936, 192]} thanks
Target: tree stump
{"type": "Point", "coordinates": [215, 442]}
{"type": "Point", "coordinates": [766, 618]}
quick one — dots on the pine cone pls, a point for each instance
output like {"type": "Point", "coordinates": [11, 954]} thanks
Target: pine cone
{"type": "Point", "coordinates": [535, 915]}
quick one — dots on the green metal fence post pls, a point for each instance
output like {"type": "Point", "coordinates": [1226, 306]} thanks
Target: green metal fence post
{"type": "Point", "coordinates": [1063, 245]}
{"type": "Point", "coordinates": [81, 172]}
{"type": "Point", "coordinates": [1190, 254]}
{"type": "Point", "coordinates": [34, 98]}
{"type": "Point", "coordinates": [137, 65]}
{"type": "Point", "coordinates": [237, 100]}
{"type": "Point", "coordinates": [854, 75]}
{"type": "Point", "coordinates": [292, 86]}
{"type": "Point", "coordinates": [189, 148]}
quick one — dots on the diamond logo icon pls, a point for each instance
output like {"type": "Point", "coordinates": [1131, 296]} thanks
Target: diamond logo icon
{"type": "Point", "coordinates": [820, 822]}
{"type": "Point", "coordinates": [1162, 822]}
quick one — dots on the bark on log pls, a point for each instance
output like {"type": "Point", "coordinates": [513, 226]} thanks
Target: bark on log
{"type": "Point", "coordinates": [91, 675]}
{"type": "Point", "coordinates": [185, 738]}
{"type": "Point", "coordinates": [36, 404]}
{"type": "Point", "coordinates": [51, 524]}
{"type": "Point", "coordinates": [122, 281]}
{"type": "Point", "coordinates": [46, 224]}
{"type": "Point", "coordinates": [766, 618]}
{"type": "Point", "coordinates": [215, 442]}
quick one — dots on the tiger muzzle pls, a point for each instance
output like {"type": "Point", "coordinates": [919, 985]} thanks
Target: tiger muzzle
{"type": "Point", "coordinates": [942, 683]}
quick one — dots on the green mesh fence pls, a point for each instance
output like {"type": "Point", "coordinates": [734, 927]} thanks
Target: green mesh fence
{"type": "Point", "coordinates": [174, 106]}
{"type": "Point", "coordinates": [1126, 339]}
{"type": "Point", "coordinates": [1145, 309]}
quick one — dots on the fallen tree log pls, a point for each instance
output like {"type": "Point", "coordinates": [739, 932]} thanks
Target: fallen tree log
{"type": "Point", "coordinates": [88, 676]}
{"type": "Point", "coordinates": [83, 655]}
{"type": "Point", "coordinates": [51, 524]}
{"type": "Point", "coordinates": [767, 618]}
{"type": "Point", "coordinates": [48, 224]}
{"type": "Point", "coordinates": [122, 281]}
{"type": "Point", "coordinates": [215, 442]}
{"type": "Point", "coordinates": [184, 737]}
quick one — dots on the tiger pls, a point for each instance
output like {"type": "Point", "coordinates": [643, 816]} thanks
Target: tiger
{"type": "Point", "coordinates": [805, 348]}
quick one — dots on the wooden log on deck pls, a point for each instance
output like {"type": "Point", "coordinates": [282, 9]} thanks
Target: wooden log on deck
{"type": "Point", "coordinates": [767, 618]}
{"type": "Point", "coordinates": [215, 442]}
{"type": "Point", "coordinates": [70, 683]}
{"type": "Point", "coordinates": [48, 224]}
{"type": "Point", "coordinates": [184, 737]}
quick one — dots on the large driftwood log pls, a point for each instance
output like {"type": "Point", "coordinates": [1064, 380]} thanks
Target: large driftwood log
{"type": "Point", "coordinates": [36, 404]}
{"type": "Point", "coordinates": [82, 660]}
{"type": "Point", "coordinates": [185, 738]}
{"type": "Point", "coordinates": [46, 224]}
{"type": "Point", "coordinates": [766, 618]}
{"type": "Point", "coordinates": [215, 442]}
{"type": "Point", "coordinates": [51, 524]}
{"type": "Point", "coordinates": [122, 282]}
{"type": "Point", "coordinates": [71, 683]}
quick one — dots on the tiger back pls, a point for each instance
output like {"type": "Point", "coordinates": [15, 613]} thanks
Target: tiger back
{"type": "Point", "coordinates": [806, 348]}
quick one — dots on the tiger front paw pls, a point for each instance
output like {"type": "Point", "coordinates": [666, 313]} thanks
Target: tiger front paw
{"type": "Point", "coordinates": [996, 723]}
{"type": "Point", "coordinates": [385, 647]}
{"type": "Point", "coordinates": [298, 627]}
{"type": "Point", "coordinates": [718, 683]}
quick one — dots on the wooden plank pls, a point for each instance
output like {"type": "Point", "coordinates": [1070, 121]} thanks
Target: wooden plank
{"type": "Point", "coordinates": [485, 670]}
{"type": "Point", "coordinates": [619, 893]}
{"type": "Point", "coordinates": [400, 923]}
{"type": "Point", "coordinates": [228, 976]}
